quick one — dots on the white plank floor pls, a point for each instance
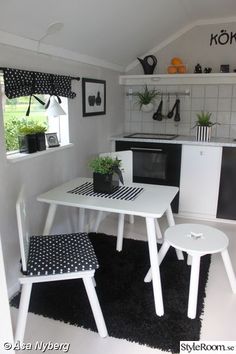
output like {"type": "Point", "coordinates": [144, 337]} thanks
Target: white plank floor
{"type": "Point", "coordinates": [219, 320]}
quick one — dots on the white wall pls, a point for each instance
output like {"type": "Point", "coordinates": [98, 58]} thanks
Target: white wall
{"type": "Point", "coordinates": [89, 136]}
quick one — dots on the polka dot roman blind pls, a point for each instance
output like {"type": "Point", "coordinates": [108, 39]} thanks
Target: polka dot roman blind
{"type": "Point", "coordinates": [26, 83]}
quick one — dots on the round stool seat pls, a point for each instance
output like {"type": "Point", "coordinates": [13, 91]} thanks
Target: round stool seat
{"type": "Point", "coordinates": [196, 238]}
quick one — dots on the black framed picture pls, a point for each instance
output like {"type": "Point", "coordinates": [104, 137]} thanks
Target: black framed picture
{"type": "Point", "coordinates": [94, 97]}
{"type": "Point", "coordinates": [52, 139]}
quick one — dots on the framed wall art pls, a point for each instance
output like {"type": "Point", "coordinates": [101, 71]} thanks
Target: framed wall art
{"type": "Point", "coordinates": [52, 140]}
{"type": "Point", "coordinates": [93, 97]}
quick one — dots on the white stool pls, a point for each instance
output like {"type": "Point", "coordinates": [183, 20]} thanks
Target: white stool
{"type": "Point", "coordinates": [198, 240]}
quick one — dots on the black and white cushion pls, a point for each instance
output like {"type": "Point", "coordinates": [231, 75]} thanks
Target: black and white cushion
{"type": "Point", "coordinates": [57, 254]}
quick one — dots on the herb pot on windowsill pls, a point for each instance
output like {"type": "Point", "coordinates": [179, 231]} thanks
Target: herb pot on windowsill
{"type": "Point", "coordinates": [27, 143]}
{"type": "Point", "coordinates": [41, 143]}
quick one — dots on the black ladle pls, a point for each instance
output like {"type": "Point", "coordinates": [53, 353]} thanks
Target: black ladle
{"type": "Point", "coordinates": [158, 115]}
{"type": "Point", "coordinates": [171, 113]}
{"type": "Point", "coordinates": [177, 115]}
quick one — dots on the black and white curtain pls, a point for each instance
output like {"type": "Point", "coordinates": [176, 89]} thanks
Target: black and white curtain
{"type": "Point", "coordinates": [20, 83]}
{"type": "Point", "coordinates": [26, 83]}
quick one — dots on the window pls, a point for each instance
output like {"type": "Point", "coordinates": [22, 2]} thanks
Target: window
{"type": "Point", "coordinates": [14, 115]}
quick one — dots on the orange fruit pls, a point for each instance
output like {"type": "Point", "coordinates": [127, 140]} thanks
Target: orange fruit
{"type": "Point", "coordinates": [176, 61]}
{"type": "Point", "coordinates": [181, 69]}
{"type": "Point", "coordinates": [172, 69]}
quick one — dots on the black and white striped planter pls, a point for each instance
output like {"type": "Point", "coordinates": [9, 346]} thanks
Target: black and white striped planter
{"type": "Point", "coordinates": [203, 133]}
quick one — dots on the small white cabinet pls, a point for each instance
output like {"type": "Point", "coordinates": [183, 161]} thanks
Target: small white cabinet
{"type": "Point", "coordinates": [199, 180]}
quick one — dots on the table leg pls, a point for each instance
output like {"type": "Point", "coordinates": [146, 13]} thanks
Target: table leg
{"type": "Point", "coordinates": [171, 222]}
{"type": "Point", "coordinates": [153, 254]}
{"type": "Point", "coordinates": [81, 219]}
{"type": "Point", "coordinates": [120, 232]}
{"type": "Point", "coordinates": [50, 218]}
{"type": "Point", "coordinates": [163, 250]}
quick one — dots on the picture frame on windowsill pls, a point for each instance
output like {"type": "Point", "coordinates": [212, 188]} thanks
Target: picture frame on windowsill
{"type": "Point", "coordinates": [52, 140]}
{"type": "Point", "coordinates": [93, 97]}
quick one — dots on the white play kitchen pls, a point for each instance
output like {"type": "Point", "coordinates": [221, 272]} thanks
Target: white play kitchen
{"type": "Point", "coordinates": [169, 152]}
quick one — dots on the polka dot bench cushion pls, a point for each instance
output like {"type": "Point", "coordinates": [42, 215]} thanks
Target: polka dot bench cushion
{"type": "Point", "coordinates": [57, 254]}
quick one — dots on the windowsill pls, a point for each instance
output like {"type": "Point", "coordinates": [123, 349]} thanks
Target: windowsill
{"type": "Point", "coordinates": [17, 157]}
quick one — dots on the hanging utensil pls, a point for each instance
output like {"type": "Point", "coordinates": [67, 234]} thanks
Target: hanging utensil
{"type": "Point", "coordinates": [171, 112]}
{"type": "Point", "coordinates": [177, 115]}
{"type": "Point", "coordinates": [158, 115]}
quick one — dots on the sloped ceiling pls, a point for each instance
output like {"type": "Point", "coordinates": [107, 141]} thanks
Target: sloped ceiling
{"type": "Point", "coordinates": [110, 33]}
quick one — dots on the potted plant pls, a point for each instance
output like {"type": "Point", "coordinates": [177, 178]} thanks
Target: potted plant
{"type": "Point", "coordinates": [27, 139]}
{"type": "Point", "coordinates": [146, 99]}
{"type": "Point", "coordinates": [31, 137]}
{"type": "Point", "coordinates": [40, 136]}
{"type": "Point", "coordinates": [104, 168]}
{"type": "Point", "coordinates": [204, 125]}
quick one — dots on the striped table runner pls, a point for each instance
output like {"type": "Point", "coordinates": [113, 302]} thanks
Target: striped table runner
{"type": "Point", "coordinates": [122, 192]}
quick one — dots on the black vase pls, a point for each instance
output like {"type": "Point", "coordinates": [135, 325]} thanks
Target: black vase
{"type": "Point", "coordinates": [27, 143]}
{"type": "Point", "coordinates": [40, 139]}
{"type": "Point", "coordinates": [102, 183]}
{"type": "Point", "coordinates": [148, 63]}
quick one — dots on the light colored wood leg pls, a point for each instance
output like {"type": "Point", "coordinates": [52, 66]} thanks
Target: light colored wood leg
{"type": "Point", "coordinates": [229, 269]}
{"type": "Point", "coordinates": [153, 254]}
{"type": "Point", "coordinates": [193, 287]}
{"type": "Point", "coordinates": [81, 219]}
{"type": "Point", "coordinates": [97, 221]}
{"type": "Point", "coordinates": [120, 232]}
{"type": "Point", "coordinates": [23, 312]}
{"type": "Point", "coordinates": [171, 222]}
{"type": "Point", "coordinates": [50, 218]}
{"type": "Point", "coordinates": [97, 312]}
{"type": "Point", "coordinates": [161, 255]}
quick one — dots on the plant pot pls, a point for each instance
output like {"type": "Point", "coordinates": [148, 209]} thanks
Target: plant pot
{"type": "Point", "coordinates": [41, 143]}
{"type": "Point", "coordinates": [147, 107]}
{"type": "Point", "coordinates": [203, 133]}
{"type": "Point", "coordinates": [27, 143]}
{"type": "Point", "coordinates": [102, 183]}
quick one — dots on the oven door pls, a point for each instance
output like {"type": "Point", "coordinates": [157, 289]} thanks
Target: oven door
{"type": "Point", "coordinates": [150, 165]}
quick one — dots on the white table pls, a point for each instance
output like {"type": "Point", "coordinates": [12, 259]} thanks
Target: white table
{"type": "Point", "coordinates": [151, 204]}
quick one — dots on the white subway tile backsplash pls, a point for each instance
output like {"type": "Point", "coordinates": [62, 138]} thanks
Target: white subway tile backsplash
{"type": "Point", "coordinates": [197, 104]}
{"type": "Point", "coordinates": [220, 100]}
{"type": "Point", "coordinates": [198, 91]}
{"type": "Point", "coordinates": [136, 116]}
{"type": "Point", "coordinates": [225, 91]}
{"type": "Point", "coordinates": [224, 104]}
{"type": "Point", "coordinates": [234, 90]}
{"type": "Point", "coordinates": [223, 117]}
{"type": "Point", "coordinates": [222, 131]}
{"type": "Point", "coordinates": [135, 127]}
{"type": "Point", "coordinates": [233, 118]}
{"type": "Point", "coordinates": [184, 129]}
{"type": "Point", "coordinates": [234, 104]}
{"type": "Point", "coordinates": [211, 104]}
{"type": "Point", "coordinates": [233, 131]}
{"type": "Point", "coordinates": [211, 91]}
{"type": "Point", "coordinates": [159, 127]}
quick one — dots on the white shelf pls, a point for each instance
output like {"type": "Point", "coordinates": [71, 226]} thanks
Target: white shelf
{"type": "Point", "coordinates": [178, 79]}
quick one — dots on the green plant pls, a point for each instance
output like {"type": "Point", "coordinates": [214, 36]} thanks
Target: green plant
{"type": "Point", "coordinates": [31, 128]}
{"type": "Point", "coordinates": [40, 128]}
{"type": "Point", "coordinates": [203, 119]}
{"type": "Point", "coordinates": [146, 97]}
{"type": "Point", "coordinates": [106, 165]}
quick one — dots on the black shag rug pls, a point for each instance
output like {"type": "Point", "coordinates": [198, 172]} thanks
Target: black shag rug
{"type": "Point", "coordinates": [127, 302]}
